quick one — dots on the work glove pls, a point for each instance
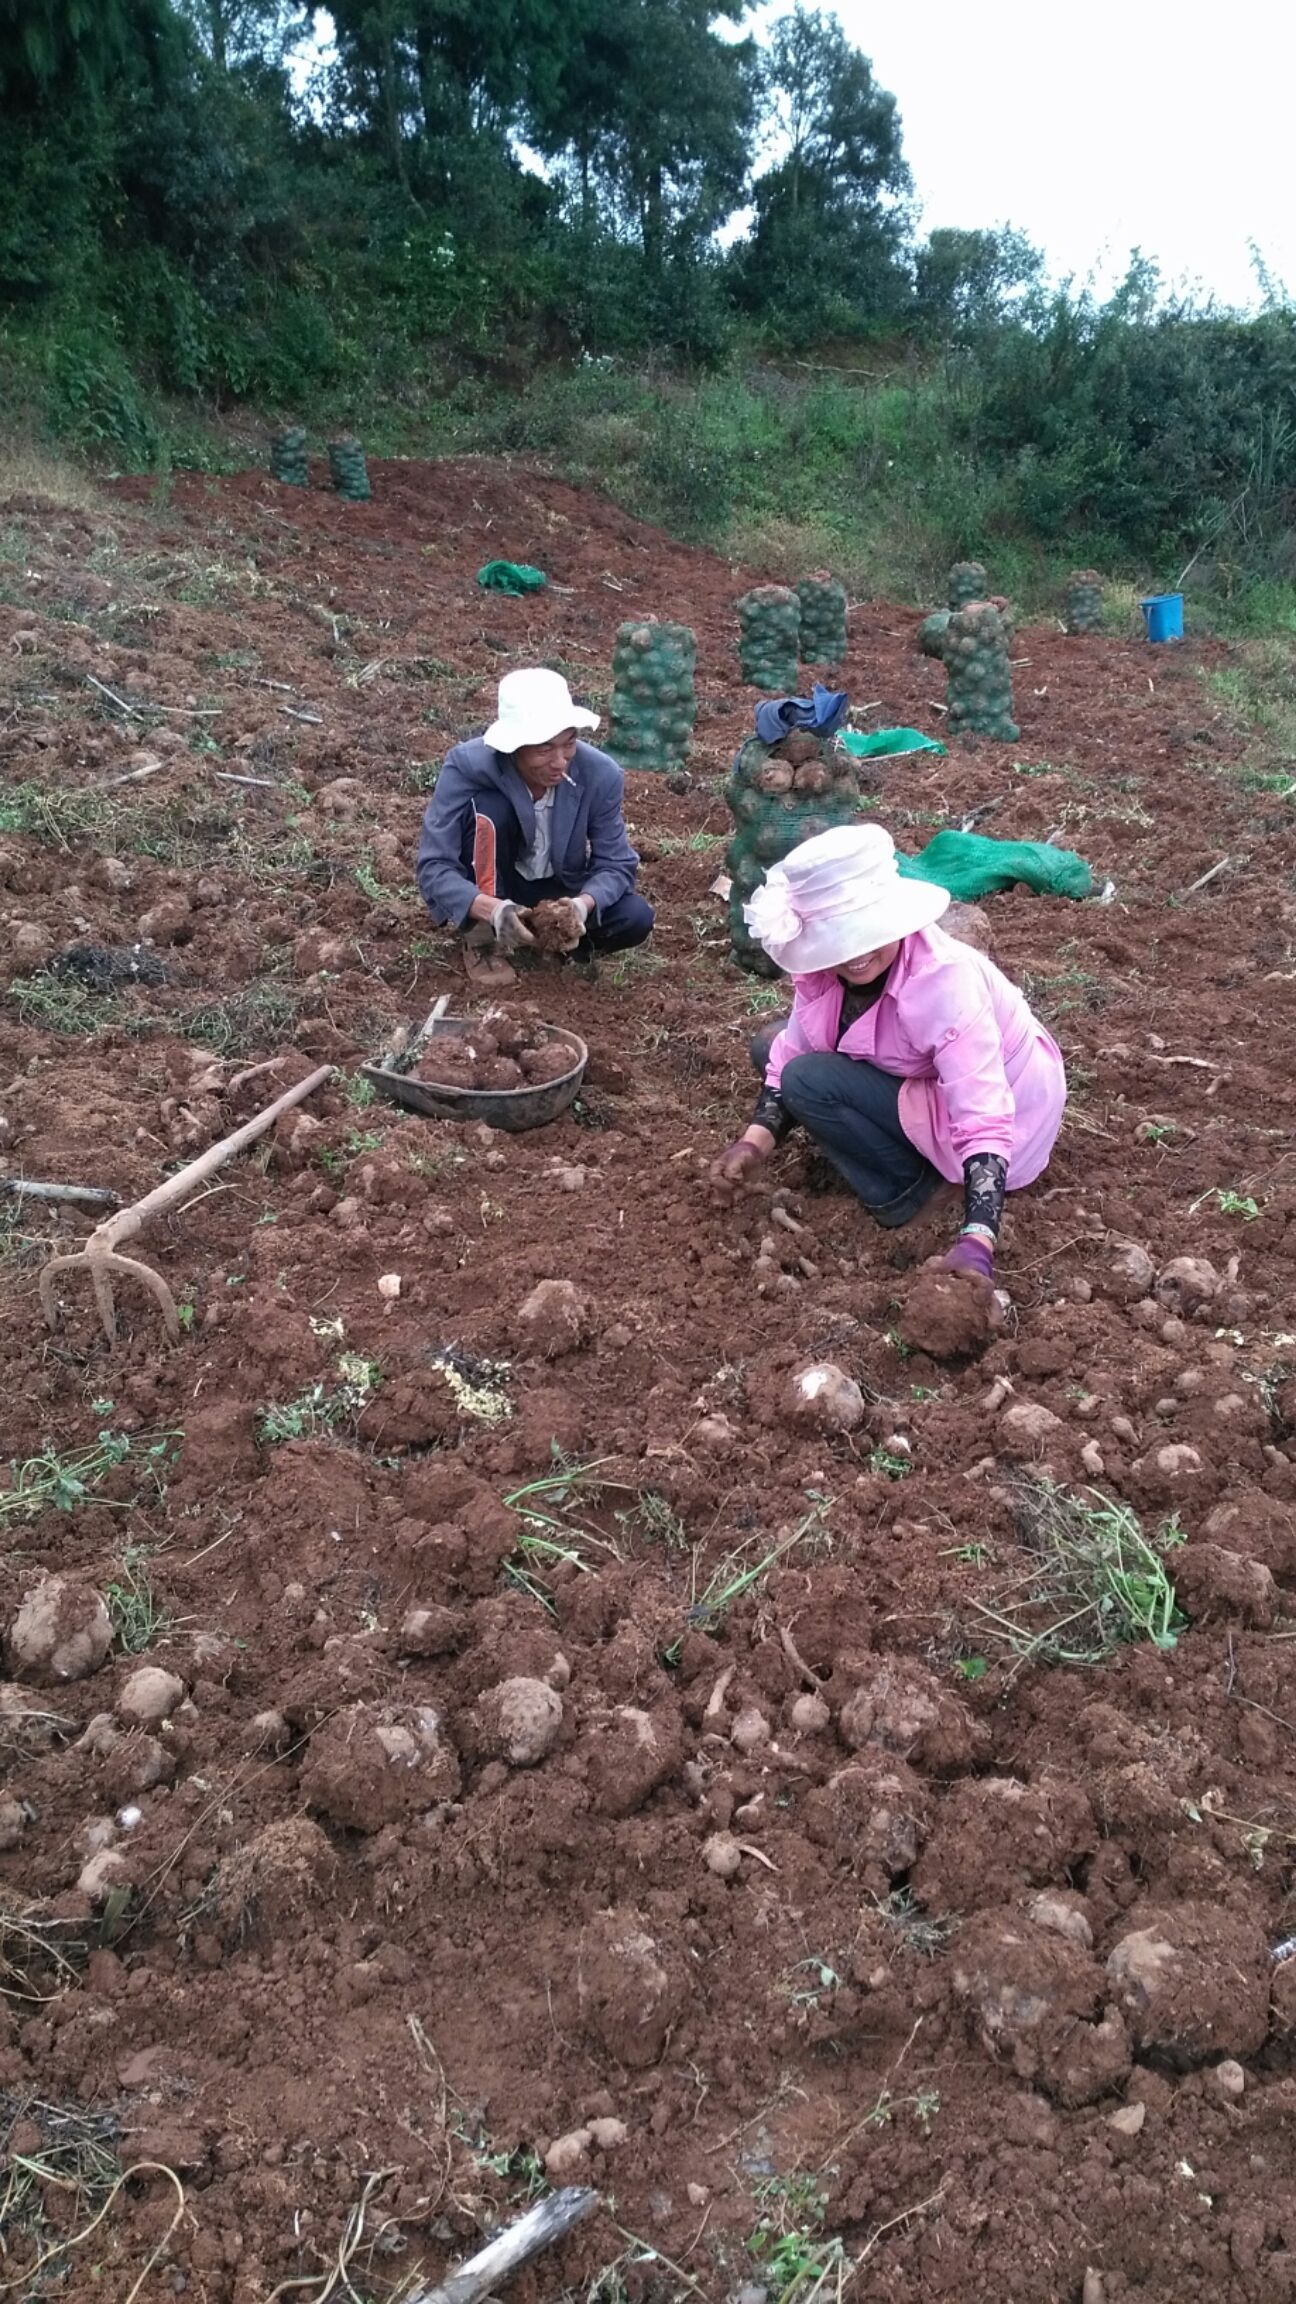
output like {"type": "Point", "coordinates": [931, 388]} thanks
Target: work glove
{"type": "Point", "coordinates": [509, 926]}
{"type": "Point", "coordinates": [971, 1252]}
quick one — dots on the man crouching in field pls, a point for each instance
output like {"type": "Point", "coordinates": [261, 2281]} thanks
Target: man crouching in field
{"type": "Point", "coordinates": [524, 839]}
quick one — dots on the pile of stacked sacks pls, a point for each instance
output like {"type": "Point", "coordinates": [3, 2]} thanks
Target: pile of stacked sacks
{"type": "Point", "coordinates": [823, 618]}
{"type": "Point", "coordinates": [350, 473]}
{"type": "Point", "coordinates": [288, 462]}
{"type": "Point", "coordinates": [980, 703]}
{"type": "Point", "coordinates": [769, 638]}
{"type": "Point", "coordinates": [654, 703]}
{"type": "Point", "coordinates": [790, 780]}
{"type": "Point", "coordinates": [972, 638]}
{"type": "Point", "coordinates": [1083, 610]}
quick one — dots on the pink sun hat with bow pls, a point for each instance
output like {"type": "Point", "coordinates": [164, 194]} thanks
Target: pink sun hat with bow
{"type": "Point", "coordinates": [837, 897]}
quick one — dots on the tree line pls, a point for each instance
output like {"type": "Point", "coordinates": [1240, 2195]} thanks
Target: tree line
{"type": "Point", "coordinates": [559, 171]}
{"type": "Point", "coordinates": [200, 206]}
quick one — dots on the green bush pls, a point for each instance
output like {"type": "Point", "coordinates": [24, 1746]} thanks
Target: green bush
{"type": "Point", "coordinates": [687, 469]}
{"type": "Point", "coordinates": [292, 350]}
{"type": "Point", "coordinates": [1150, 431]}
{"type": "Point", "coordinates": [95, 404]}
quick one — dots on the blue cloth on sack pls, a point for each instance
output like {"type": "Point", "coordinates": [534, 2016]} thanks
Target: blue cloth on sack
{"type": "Point", "coordinates": [823, 716]}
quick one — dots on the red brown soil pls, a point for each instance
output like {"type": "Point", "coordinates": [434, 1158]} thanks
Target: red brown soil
{"type": "Point", "coordinates": [986, 1913]}
{"type": "Point", "coordinates": [947, 1314]}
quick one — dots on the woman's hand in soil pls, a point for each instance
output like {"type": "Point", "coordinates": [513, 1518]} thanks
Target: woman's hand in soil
{"type": "Point", "coordinates": [738, 1162]}
{"type": "Point", "coordinates": [971, 1252]}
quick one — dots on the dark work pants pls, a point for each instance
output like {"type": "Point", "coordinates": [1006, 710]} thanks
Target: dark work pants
{"type": "Point", "coordinates": [628, 921]}
{"type": "Point", "coordinates": [852, 1111]}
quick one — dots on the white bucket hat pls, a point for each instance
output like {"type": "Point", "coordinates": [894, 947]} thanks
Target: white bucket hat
{"type": "Point", "coordinates": [836, 897]}
{"type": "Point", "coordinates": [534, 707]}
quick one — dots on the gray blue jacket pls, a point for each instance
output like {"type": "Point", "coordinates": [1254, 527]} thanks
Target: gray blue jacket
{"type": "Point", "coordinates": [592, 854]}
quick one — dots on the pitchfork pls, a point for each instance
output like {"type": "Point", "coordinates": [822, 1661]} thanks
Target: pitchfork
{"type": "Point", "coordinates": [100, 1253]}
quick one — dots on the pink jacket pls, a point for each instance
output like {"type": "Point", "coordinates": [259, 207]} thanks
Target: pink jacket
{"type": "Point", "coordinates": [979, 1073]}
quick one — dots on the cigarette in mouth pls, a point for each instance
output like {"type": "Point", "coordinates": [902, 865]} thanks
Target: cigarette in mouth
{"type": "Point", "coordinates": [569, 779]}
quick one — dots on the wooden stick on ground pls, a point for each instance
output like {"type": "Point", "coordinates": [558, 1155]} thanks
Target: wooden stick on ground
{"type": "Point", "coordinates": [512, 2248]}
{"type": "Point", "coordinates": [1205, 877]}
{"type": "Point", "coordinates": [80, 1195]}
{"type": "Point", "coordinates": [135, 775]}
{"type": "Point", "coordinates": [99, 1254]}
{"type": "Point", "coordinates": [141, 711]}
{"type": "Point", "coordinates": [114, 698]}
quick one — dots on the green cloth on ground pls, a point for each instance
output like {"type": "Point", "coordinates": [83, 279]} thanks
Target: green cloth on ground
{"type": "Point", "coordinates": [888, 740]}
{"type": "Point", "coordinates": [972, 865]}
{"type": "Point", "coordinates": [511, 576]}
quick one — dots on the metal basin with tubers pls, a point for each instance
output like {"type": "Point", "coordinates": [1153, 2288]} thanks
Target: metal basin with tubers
{"type": "Point", "coordinates": [513, 1109]}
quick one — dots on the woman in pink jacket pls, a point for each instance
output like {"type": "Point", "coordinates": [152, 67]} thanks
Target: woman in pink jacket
{"type": "Point", "coordinates": [908, 1057]}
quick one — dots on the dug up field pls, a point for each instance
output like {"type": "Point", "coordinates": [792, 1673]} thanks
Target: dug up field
{"type": "Point", "coordinates": [885, 1890]}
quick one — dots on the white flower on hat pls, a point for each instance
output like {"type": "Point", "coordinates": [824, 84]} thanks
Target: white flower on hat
{"type": "Point", "coordinates": [770, 912]}
{"type": "Point", "coordinates": [837, 896]}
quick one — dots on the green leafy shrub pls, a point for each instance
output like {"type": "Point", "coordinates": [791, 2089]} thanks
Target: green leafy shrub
{"type": "Point", "coordinates": [688, 470]}
{"type": "Point", "coordinates": [95, 403]}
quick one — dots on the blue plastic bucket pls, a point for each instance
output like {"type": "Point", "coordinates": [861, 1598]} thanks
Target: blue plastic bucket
{"type": "Point", "coordinates": [1163, 615]}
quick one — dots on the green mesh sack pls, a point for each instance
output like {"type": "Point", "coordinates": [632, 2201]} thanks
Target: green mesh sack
{"type": "Point", "coordinates": [769, 638]}
{"type": "Point", "coordinates": [653, 700]}
{"type": "Point", "coordinates": [823, 619]}
{"type": "Point", "coordinates": [972, 865]}
{"type": "Point", "coordinates": [967, 581]}
{"type": "Point", "coordinates": [350, 473]}
{"type": "Point", "coordinates": [779, 795]}
{"type": "Point", "coordinates": [1083, 611]}
{"type": "Point", "coordinates": [512, 576]}
{"type": "Point", "coordinates": [979, 690]}
{"type": "Point", "coordinates": [288, 461]}
{"type": "Point", "coordinates": [932, 631]}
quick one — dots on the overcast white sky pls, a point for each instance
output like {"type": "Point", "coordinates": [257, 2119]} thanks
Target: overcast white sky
{"type": "Point", "coordinates": [1100, 125]}
{"type": "Point", "coordinates": [1096, 126]}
